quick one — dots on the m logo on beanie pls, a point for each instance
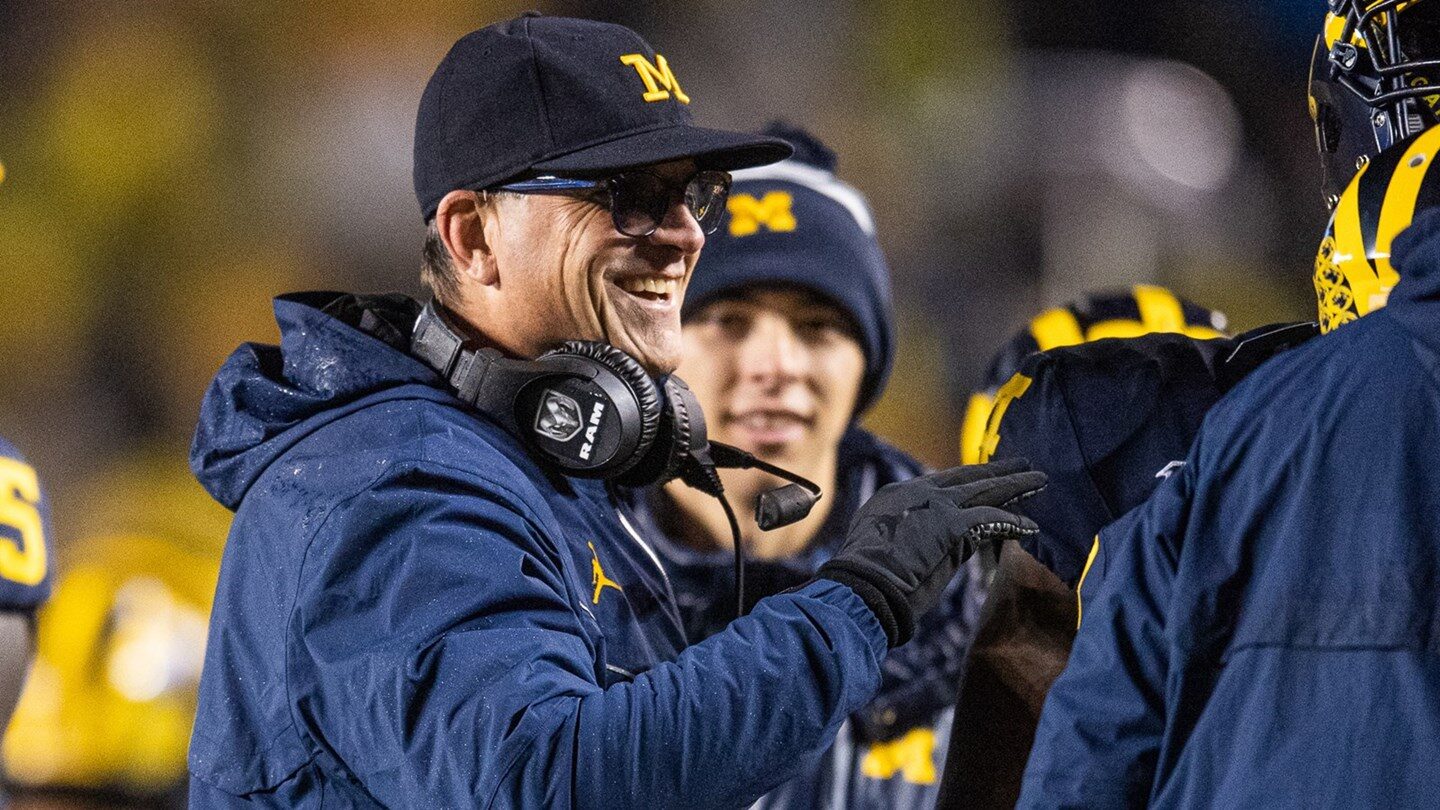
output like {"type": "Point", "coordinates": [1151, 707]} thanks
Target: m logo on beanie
{"type": "Point", "coordinates": [747, 213]}
{"type": "Point", "coordinates": [660, 81]}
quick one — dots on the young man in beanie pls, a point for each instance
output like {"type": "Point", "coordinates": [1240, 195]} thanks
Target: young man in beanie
{"type": "Point", "coordinates": [431, 595]}
{"type": "Point", "coordinates": [788, 340]}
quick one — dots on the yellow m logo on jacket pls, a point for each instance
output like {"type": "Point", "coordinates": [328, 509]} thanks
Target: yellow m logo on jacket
{"type": "Point", "coordinates": [747, 213]}
{"type": "Point", "coordinates": [912, 756]}
{"type": "Point", "coordinates": [660, 81]}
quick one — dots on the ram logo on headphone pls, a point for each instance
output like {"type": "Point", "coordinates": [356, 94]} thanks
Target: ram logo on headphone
{"type": "Point", "coordinates": [559, 417]}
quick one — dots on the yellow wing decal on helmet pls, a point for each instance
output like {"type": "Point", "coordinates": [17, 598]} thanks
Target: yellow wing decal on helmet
{"type": "Point", "coordinates": [1057, 327]}
{"type": "Point", "coordinates": [1353, 273]}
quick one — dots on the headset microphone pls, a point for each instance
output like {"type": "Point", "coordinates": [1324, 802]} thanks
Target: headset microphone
{"type": "Point", "coordinates": [777, 507]}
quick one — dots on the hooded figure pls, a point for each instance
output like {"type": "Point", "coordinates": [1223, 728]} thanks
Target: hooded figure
{"type": "Point", "coordinates": [1262, 629]}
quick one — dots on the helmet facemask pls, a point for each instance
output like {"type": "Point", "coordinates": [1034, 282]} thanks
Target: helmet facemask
{"type": "Point", "coordinates": [1374, 81]}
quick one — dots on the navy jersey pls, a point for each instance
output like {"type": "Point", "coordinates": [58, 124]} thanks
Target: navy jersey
{"type": "Point", "coordinates": [1108, 422]}
{"type": "Point", "coordinates": [1104, 420]}
{"type": "Point", "coordinates": [24, 530]}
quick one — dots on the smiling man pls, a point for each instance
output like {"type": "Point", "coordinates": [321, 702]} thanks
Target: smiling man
{"type": "Point", "coordinates": [432, 594]}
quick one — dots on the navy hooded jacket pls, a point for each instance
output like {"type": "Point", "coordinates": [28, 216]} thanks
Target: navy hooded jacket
{"type": "Point", "coordinates": [1265, 630]}
{"type": "Point", "coordinates": [412, 613]}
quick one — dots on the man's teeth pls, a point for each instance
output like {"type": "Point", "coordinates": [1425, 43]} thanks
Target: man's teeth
{"type": "Point", "coordinates": [650, 284]}
{"type": "Point", "coordinates": [768, 421]}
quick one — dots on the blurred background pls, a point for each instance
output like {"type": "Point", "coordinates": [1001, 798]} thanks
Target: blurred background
{"type": "Point", "coordinates": [170, 165]}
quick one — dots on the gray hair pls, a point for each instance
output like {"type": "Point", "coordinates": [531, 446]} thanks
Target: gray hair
{"type": "Point", "coordinates": [437, 270]}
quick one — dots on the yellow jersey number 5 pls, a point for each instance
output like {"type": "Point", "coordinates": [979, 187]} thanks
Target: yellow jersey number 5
{"type": "Point", "coordinates": [22, 561]}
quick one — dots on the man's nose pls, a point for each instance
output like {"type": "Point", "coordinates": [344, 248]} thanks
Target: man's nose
{"type": "Point", "coordinates": [772, 354]}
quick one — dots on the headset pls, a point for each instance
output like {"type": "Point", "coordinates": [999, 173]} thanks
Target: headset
{"type": "Point", "coordinates": [589, 410]}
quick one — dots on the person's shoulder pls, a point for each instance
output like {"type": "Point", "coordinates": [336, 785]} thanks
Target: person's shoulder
{"type": "Point", "coordinates": [1101, 392]}
{"type": "Point", "coordinates": [1363, 357]}
{"type": "Point", "coordinates": [1340, 382]}
{"type": "Point", "coordinates": [425, 431]}
{"type": "Point", "coordinates": [404, 440]}
{"type": "Point", "coordinates": [1093, 371]}
{"type": "Point", "coordinates": [423, 463]}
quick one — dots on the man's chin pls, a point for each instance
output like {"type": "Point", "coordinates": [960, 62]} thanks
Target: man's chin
{"type": "Point", "coordinates": [656, 360]}
{"type": "Point", "coordinates": [658, 352]}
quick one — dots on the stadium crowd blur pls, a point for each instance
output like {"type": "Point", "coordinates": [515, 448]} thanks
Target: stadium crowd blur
{"type": "Point", "coordinates": [170, 165]}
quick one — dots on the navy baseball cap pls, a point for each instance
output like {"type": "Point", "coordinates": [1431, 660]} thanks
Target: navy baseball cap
{"type": "Point", "coordinates": [554, 95]}
{"type": "Point", "coordinates": [797, 224]}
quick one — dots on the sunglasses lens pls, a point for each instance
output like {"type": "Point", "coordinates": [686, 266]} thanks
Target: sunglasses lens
{"type": "Point", "coordinates": [638, 202]}
{"type": "Point", "coordinates": [705, 196]}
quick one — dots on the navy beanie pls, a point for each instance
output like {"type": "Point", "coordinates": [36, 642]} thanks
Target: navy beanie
{"type": "Point", "coordinates": [796, 224]}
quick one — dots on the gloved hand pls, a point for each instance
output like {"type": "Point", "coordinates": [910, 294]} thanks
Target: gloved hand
{"type": "Point", "coordinates": [910, 539]}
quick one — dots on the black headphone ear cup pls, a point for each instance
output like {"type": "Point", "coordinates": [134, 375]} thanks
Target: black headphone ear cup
{"type": "Point", "coordinates": [682, 432]}
{"type": "Point", "coordinates": [633, 375]}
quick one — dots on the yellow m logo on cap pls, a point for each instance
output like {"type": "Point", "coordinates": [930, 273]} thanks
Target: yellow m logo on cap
{"type": "Point", "coordinates": [747, 213]}
{"type": "Point", "coordinates": [659, 81]}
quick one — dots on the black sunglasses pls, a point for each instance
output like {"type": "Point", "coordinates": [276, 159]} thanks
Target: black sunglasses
{"type": "Point", "coordinates": [639, 199]}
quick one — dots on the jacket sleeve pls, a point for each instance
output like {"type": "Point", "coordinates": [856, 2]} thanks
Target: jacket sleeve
{"type": "Point", "coordinates": [1100, 731]}
{"type": "Point", "coordinates": [446, 660]}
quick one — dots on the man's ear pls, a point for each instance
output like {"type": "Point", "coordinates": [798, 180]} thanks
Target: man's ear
{"type": "Point", "coordinates": [460, 219]}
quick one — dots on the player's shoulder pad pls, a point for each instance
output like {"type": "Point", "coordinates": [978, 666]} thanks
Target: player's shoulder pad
{"type": "Point", "coordinates": [1250, 350]}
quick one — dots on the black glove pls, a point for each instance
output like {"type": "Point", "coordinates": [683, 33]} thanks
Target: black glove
{"type": "Point", "coordinates": [909, 540]}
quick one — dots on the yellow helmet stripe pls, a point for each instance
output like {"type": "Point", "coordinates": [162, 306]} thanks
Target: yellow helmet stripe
{"type": "Point", "coordinates": [1160, 310]}
{"type": "Point", "coordinates": [1401, 195]}
{"type": "Point", "coordinates": [1335, 28]}
{"type": "Point", "coordinates": [1349, 240]}
{"type": "Point", "coordinates": [1057, 327]}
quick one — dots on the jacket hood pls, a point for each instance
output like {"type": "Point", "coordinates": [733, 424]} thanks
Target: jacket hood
{"type": "Point", "coordinates": [1415, 301]}
{"type": "Point", "coordinates": [337, 354]}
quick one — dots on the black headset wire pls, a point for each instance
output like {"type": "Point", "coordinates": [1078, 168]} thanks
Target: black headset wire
{"type": "Point", "coordinates": [739, 555]}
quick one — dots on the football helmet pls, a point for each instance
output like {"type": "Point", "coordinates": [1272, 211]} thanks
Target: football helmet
{"type": "Point", "coordinates": [111, 699]}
